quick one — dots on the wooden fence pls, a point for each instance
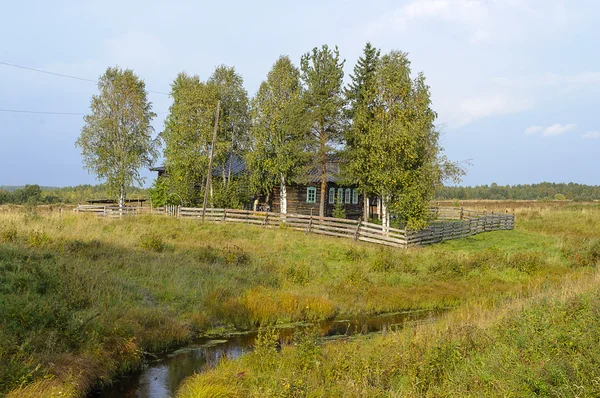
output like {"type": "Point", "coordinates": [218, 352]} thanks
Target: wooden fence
{"type": "Point", "coordinates": [447, 223]}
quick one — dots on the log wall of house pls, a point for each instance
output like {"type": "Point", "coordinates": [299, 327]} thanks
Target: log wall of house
{"type": "Point", "coordinates": [297, 204]}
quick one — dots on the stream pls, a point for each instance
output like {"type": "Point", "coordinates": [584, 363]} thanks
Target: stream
{"type": "Point", "coordinates": [161, 377]}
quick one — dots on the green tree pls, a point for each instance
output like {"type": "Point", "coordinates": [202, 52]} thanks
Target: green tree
{"type": "Point", "coordinates": [279, 132]}
{"type": "Point", "coordinates": [188, 136]}
{"type": "Point", "coordinates": [234, 119]}
{"type": "Point", "coordinates": [116, 140]}
{"type": "Point", "coordinates": [360, 112]}
{"type": "Point", "coordinates": [401, 146]}
{"type": "Point", "coordinates": [322, 74]}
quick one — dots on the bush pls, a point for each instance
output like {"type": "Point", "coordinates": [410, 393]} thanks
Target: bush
{"type": "Point", "coordinates": [338, 210]}
{"type": "Point", "coordinates": [153, 243]}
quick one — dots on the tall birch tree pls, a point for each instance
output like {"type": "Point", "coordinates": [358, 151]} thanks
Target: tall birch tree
{"type": "Point", "coordinates": [322, 75]}
{"type": "Point", "coordinates": [117, 139]}
{"type": "Point", "coordinates": [406, 163]}
{"type": "Point", "coordinates": [234, 119]}
{"type": "Point", "coordinates": [279, 132]}
{"type": "Point", "coordinates": [188, 136]}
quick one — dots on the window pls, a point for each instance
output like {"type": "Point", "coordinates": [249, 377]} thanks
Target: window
{"type": "Point", "coordinates": [354, 197]}
{"type": "Point", "coordinates": [331, 196]}
{"type": "Point", "coordinates": [348, 191]}
{"type": "Point", "coordinates": [311, 195]}
{"type": "Point", "coordinates": [340, 195]}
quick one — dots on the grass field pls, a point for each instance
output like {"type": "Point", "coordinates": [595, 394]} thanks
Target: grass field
{"type": "Point", "coordinates": [85, 298]}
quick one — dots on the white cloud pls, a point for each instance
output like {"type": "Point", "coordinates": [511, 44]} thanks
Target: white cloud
{"type": "Point", "coordinates": [482, 20]}
{"type": "Point", "coordinates": [476, 108]}
{"type": "Point", "coordinates": [550, 131]}
{"type": "Point", "coordinates": [591, 135]}
{"type": "Point", "coordinates": [533, 129]}
{"type": "Point", "coordinates": [557, 129]}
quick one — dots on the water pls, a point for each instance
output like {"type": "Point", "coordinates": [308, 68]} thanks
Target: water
{"type": "Point", "coordinates": [162, 376]}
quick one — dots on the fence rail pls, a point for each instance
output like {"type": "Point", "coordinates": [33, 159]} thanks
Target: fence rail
{"type": "Point", "coordinates": [448, 223]}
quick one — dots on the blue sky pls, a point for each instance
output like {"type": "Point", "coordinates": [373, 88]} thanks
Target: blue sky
{"type": "Point", "coordinates": [516, 83]}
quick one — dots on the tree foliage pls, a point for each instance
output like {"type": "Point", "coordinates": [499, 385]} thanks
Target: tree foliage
{"type": "Point", "coordinates": [322, 75]}
{"type": "Point", "coordinates": [395, 149]}
{"type": "Point", "coordinates": [279, 131]}
{"type": "Point", "coordinates": [360, 105]}
{"type": "Point", "coordinates": [116, 140]}
{"type": "Point", "coordinates": [234, 118]}
{"type": "Point", "coordinates": [188, 136]}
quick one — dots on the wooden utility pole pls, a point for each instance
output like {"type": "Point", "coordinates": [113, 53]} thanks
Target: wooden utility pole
{"type": "Point", "coordinates": [210, 159]}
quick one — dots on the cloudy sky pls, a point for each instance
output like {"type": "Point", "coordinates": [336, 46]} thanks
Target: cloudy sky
{"type": "Point", "coordinates": [516, 83]}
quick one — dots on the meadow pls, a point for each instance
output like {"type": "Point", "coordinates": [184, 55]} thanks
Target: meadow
{"type": "Point", "coordinates": [84, 299]}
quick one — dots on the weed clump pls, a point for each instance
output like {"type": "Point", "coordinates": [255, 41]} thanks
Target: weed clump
{"type": "Point", "coordinates": [8, 235]}
{"type": "Point", "coordinates": [38, 239]}
{"type": "Point", "coordinates": [153, 242]}
{"type": "Point", "coordinates": [298, 274]}
{"type": "Point", "coordinates": [235, 255]}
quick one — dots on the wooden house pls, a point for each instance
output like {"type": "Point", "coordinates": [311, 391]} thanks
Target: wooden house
{"type": "Point", "coordinates": [305, 197]}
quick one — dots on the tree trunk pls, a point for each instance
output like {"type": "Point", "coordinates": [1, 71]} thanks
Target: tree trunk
{"type": "Point", "coordinates": [228, 172]}
{"type": "Point", "coordinates": [323, 175]}
{"type": "Point", "coordinates": [122, 199]}
{"type": "Point", "coordinates": [384, 216]}
{"type": "Point", "coordinates": [366, 209]}
{"type": "Point", "coordinates": [283, 196]}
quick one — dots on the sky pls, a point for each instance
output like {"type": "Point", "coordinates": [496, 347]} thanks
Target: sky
{"type": "Point", "coordinates": [515, 83]}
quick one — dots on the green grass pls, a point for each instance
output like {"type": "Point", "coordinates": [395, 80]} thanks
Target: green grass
{"type": "Point", "coordinates": [84, 298]}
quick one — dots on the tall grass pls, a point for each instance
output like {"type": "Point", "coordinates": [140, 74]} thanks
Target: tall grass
{"type": "Point", "coordinates": [84, 298]}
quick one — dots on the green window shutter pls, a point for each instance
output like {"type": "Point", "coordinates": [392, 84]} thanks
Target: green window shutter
{"type": "Point", "coordinates": [331, 196]}
{"type": "Point", "coordinates": [340, 195]}
{"type": "Point", "coordinates": [347, 198]}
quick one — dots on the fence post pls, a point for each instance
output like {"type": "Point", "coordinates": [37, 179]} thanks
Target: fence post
{"type": "Point", "coordinates": [178, 211]}
{"type": "Point", "coordinates": [266, 220]}
{"type": "Point", "coordinates": [356, 234]}
{"type": "Point", "coordinates": [310, 224]}
{"type": "Point", "coordinates": [224, 215]}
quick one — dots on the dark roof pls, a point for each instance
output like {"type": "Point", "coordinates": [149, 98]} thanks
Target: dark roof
{"type": "Point", "coordinates": [237, 167]}
{"type": "Point", "coordinates": [236, 163]}
{"type": "Point", "coordinates": [313, 173]}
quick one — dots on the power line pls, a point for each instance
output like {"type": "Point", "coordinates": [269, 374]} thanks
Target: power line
{"type": "Point", "coordinates": [54, 113]}
{"type": "Point", "coordinates": [42, 112]}
{"type": "Point", "coordinates": [65, 76]}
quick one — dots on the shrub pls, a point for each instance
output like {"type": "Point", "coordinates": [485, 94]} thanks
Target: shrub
{"type": "Point", "coordinates": [235, 255]}
{"type": "Point", "coordinates": [338, 209]}
{"type": "Point", "coordinates": [153, 243]}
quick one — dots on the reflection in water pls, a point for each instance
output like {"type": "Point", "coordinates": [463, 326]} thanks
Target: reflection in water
{"type": "Point", "coordinates": [161, 378]}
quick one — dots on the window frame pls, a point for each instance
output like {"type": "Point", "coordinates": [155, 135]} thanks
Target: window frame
{"type": "Point", "coordinates": [355, 196]}
{"type": "Point", "coordinates": [331, 196]}
{"type": "Point", "coordinates": [347, 198]}
{"type": "Point", "coordinates": [340, 195]}
{"type": "Point", "coordinates": [311, 191]}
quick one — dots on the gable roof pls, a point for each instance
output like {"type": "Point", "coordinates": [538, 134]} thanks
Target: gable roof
{"type": "Point", "coordinates": [312, 174]}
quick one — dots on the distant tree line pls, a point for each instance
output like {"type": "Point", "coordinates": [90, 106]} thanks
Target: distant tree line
{"type": "Point", "coordinates": [542, 191]}
{"type": "Point", "coordinates": [35, 195]}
